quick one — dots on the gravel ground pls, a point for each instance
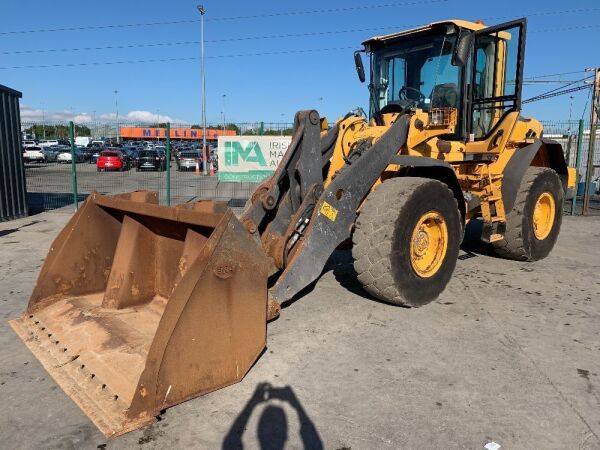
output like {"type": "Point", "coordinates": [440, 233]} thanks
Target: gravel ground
{"type": "Point", "coordinates": [509, 353]}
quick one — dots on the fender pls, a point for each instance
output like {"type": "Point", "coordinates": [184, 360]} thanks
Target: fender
{"type": "Point", "coordinates": [522, 159]}
{"type": "Point", "coordinates": [433, 168]}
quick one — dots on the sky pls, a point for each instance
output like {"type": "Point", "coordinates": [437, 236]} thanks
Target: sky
{"type": "Point", "coordinates": [255, 71]}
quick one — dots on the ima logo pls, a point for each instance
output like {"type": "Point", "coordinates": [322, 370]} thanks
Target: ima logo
{"type": "Point", "coordinates": [252, 153]}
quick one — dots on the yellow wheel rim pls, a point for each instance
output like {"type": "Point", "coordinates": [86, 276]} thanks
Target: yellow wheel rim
{"type": "Point", "coordinates": [428, 244]}
{"type": "Point", "coordinates": [543, 216]}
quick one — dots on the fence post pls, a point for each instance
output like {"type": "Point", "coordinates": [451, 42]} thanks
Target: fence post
{"type": "Point", "coordinates": [168, 166]}
{"type": "Point", "coordinates": [577, 163]}
{"type": "Point", "coordinates": [261, 130]}
{"type": "Point", "coordinates": [73, 164]}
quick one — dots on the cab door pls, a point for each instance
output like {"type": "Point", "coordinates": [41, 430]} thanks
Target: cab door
{"type": "Point", "coordinates": [496, 79]}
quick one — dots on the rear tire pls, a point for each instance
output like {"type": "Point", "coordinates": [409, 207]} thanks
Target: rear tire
{"type": "Point", "coordinates": [531, 237]}
{"type": "Point", "coordinates": [406, 240]}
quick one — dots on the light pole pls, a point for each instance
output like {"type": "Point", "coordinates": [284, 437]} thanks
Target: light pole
{"type": "Point", "coordinates": [117, 113]}
{"type": "Point", "coordinates": [223, 98]}
{"type": "Point", "coordinates": [202, 11]}
{"type": "Point", "coordinates": [158, 123]}
{"type": "Point", "coordinates": [44, 122]}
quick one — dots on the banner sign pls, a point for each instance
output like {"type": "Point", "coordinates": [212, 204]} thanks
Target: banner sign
{"type": "Point", "coordinates": [176, 133]}
{"type": "Point", "coordinates": [250, 158]}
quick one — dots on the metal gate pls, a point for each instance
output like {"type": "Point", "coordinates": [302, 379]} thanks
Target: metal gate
{"type": "Point", "coordinates": [13, 192]}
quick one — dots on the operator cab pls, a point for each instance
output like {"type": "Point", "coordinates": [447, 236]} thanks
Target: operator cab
{"type": "Point", "coordinates": [454, 68]}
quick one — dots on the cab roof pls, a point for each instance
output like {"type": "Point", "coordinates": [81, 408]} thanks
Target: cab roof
{"type": "Point", "coordinates": [390, 37]}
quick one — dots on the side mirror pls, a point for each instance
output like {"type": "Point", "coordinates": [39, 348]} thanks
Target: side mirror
{"type": "Point", "coordinates": [360, 69]}
{"type": "Point", "coordinates": [463, 48]}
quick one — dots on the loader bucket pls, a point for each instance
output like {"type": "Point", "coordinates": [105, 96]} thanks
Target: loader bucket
{"type": "Point", "coordinates": [139, 307]}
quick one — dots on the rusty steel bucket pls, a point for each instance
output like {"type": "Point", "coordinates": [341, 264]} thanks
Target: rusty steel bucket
{"type": "Point", "coordinates": [139, 307]}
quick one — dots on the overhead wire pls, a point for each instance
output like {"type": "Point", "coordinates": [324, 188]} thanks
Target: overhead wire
{"type": "Point", "coordinates": [139, 61]}
{"type": "Point", "coordinates": [282, 14]}
{"type": "Point", "coordinates": [228, 18]}
{"type": "Point", "coordinates": [559, 91]}
{"type": "Point", "coordinates": [243, 38]}
{"type": "Point", "coordinates": [535, 77]}
{"type": "Point", "coordinates": [555, 94]}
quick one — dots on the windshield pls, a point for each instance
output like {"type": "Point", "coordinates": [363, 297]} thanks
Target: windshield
{"type": "Point", "coordinates": [416, 73]}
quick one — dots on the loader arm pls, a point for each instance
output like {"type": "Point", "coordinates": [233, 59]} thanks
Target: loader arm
{"type": "Point", "coordinates": [297, 218]}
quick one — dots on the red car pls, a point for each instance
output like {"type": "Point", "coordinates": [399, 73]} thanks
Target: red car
{"type": "Point", "coordinates": [112, 160]}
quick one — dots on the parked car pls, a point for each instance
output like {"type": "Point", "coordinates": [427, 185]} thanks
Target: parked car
{"type": "Point", "coordinates": [187, 160]}
{"type": "Point", "coordinates": [87, 152]}
{"type": "Point", "coordinates": [51, 153]}
{"type": "Point", "coordinates": [64, 157]}
{"type": "Point", "coordinates": [131, 151]}
{"type": "Point", "coordinates": [48, 143]}
{"type": "Point", "coordinates": [34, 154]}
{"type": "Point", "coordinates": [131, 154]}
{"type": "Point", "coordinates": [112, 159]}
{"type": "Point", "coordinates": [162, 150]}
{"type": "Point", "coordinates": [29, 143]}
{"type": "Point", "coordinates": [94, 156]}
{"type": "Point", "coordinates": [150, 160]}
{"type": "Point", "coordinates": [162, 153]}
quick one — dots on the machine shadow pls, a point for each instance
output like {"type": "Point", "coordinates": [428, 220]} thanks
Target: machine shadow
{"type": "Point", "coordinates": [272, 429]}
{"type": "Point", "coordinates": [472, 243]}
{"type": "Point", "coordinates": [39, 202]}
{"type": "Point", "coordinates": [342, 266]}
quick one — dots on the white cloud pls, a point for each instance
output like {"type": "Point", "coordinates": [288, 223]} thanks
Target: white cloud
{"type": "Point", "coordinates": [29, 114]}
{"type": "Point", "coordinates": [147, 116]}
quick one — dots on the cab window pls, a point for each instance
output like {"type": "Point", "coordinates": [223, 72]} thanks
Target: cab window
{"type": "Point", "coordinates": [494, 78]}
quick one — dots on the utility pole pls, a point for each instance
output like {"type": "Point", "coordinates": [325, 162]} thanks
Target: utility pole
{"type": "Point", "coordinates": [589, 171]}
{"type": "Point", "coordinates": [202, 11]}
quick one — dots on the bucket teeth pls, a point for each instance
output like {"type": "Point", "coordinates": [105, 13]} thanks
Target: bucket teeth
{"type": "Point", "coordinates": [74, 375]}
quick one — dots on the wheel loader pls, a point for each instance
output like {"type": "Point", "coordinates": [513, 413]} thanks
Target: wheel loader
{"type": "Point", "coordinates": [140, 306]}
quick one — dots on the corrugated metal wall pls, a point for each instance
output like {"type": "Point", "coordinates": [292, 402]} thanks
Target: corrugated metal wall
{"type": "Point", "coordinates": [13, 192]}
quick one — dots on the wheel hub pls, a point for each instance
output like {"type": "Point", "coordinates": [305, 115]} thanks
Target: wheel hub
{"type": "Point", "coordinates": [421, 243]}
{"type": "Point", "coordinates": [543, 216]}
{"type": "Point", "coordinates": [428, 244]}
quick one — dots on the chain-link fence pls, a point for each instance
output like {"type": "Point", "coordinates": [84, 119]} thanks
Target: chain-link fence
{"type": "Point", "coordinates": [574, 136]}
{"type": "Point", "coordinates": [50, 175]}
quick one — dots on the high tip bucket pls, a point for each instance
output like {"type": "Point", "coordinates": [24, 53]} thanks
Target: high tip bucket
{"type": "Point", "coordinates": [139, 307]}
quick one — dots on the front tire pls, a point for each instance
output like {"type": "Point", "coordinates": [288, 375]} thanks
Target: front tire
{"type": "Point", "coordinates": [533, 224]}
{"type": "Point", "coordinates": [406, 240]}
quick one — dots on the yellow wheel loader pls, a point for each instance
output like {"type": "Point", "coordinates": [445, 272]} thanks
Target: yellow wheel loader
{"type": "Point", "coordinates": [139, 306]}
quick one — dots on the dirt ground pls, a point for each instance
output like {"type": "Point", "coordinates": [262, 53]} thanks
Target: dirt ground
{"type": "Point", "coordinates": [509, 353]}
